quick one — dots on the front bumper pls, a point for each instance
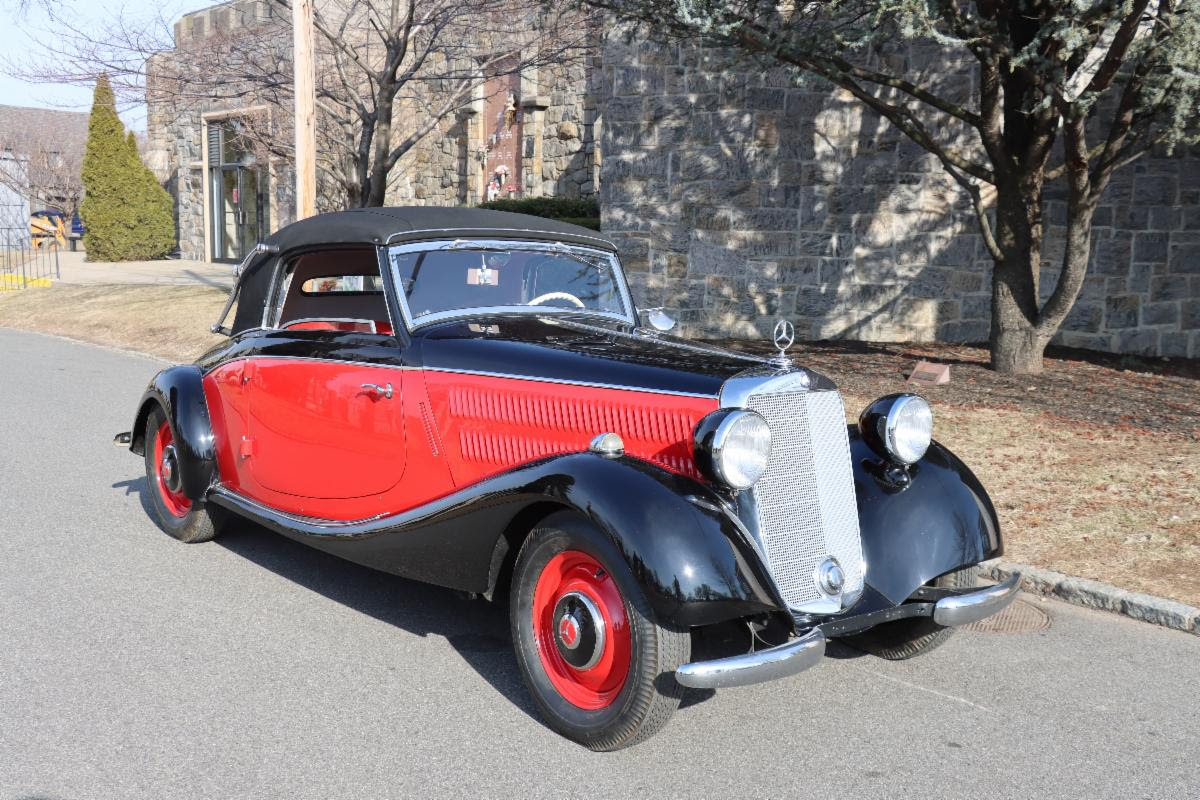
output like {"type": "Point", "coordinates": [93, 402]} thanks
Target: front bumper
{"type": "Point", "coordinates": [806, 651]}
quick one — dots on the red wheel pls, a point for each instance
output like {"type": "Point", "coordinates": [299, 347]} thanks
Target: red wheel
{"type": "Point", "coordinates": [581, 630]}
{"type": "Point", "coordinates": [600, 666]}
{"type": "Point", "coordinates": [166, 472]}
{"type": "Point", "coordinates": [186, 519]}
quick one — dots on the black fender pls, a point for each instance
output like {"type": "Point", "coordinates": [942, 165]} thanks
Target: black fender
{"type": "Point", "coordinates": [940, 519]}
{"type": "Point", "coordinates": [180, 392]}
{"type": "Point", "coordinates": [690, 555]}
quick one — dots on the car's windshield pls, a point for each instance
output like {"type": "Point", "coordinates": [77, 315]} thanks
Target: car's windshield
{"type": "Point", "coordinates": [533, 279]}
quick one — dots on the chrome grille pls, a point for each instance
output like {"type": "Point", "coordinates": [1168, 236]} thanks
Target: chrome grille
{"type": "Point", "coordinates": [805, 499]}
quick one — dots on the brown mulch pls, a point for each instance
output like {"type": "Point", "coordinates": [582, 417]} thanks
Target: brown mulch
{"type": "Point", "coordinates": [1119, 392]}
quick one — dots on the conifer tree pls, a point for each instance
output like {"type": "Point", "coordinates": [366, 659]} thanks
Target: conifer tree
{"type": "Point", "coordinates": [127, 214]}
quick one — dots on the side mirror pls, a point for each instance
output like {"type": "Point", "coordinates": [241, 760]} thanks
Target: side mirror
{"type": "Point", "coordinates": [658, 319]}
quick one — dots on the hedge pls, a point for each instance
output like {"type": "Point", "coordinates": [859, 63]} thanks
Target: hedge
{"type": "Point", "coordinates": [585, 212]}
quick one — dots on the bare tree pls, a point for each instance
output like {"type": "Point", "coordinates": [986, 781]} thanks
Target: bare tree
{"type": "Point", "coordinates": [389, 72]}
{"type": "Point", "coordinates": [51, 157]}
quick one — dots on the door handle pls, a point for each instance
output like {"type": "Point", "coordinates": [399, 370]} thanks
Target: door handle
{"type": "Point", "coordinates": [385, 390]}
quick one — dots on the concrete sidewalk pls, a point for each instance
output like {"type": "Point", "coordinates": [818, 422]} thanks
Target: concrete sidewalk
{"type": "Point", "coordinates": [76, 270]}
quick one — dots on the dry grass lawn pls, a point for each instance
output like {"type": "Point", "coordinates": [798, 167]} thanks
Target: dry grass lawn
{"type": "Point", "coordinates": [167, 321]}
{"type": "Point", "coordinates": [1114, 500]}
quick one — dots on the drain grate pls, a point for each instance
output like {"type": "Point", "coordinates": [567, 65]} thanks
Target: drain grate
{"type": "Point", "coordinates": [1021, 616]}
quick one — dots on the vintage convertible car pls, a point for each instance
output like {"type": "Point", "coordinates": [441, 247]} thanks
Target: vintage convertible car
{"type": "Point", "coordinates": [470, 398]}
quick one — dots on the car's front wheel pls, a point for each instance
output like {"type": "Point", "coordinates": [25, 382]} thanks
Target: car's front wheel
{"type": "Point", "coordinates": [180, 516]}
{"type": "Point", "coordinates": [908, 638]}
{"type": "Point", "coordinates": [599, 665]}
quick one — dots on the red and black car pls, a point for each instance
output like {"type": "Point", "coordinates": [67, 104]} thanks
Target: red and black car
{"type": "Point", "coordinates": [470, 398]}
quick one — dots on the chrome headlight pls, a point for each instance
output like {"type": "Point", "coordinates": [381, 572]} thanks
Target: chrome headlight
{"type": "Point", "coordinates": [898, 427]}
{"type": "Point", "coordinates": [733, 446]}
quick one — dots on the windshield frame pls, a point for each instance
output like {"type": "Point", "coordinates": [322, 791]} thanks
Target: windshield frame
{"type": "Point", "coordinates": [628, 316]}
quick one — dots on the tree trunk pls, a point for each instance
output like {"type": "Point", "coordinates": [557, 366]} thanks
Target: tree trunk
{"type": "Point", "coordinates": [377, 186]}
{"type": "Point", "coordinates": [1016, 342]}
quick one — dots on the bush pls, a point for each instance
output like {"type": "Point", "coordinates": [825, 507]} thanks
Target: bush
{"type": "Point", "coordinates": [585, 212]}
{"type": "Point", "coordinates": [127, 214]}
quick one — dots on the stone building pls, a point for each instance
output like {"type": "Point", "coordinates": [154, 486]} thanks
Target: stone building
{"type": "Point", "coordinates": [526, 134]}
{"type": "Point", "coordinates": [738, 198]}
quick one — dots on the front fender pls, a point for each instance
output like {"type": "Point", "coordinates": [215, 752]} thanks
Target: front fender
{"type": "Point", "coordinates": [695, 562]}
{"type": "Point", "coordinates": [180, 392]}
{"type": "Point", "coordinates": [941, 521]}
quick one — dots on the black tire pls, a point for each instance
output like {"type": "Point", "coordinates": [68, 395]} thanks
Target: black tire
{"type": "Point", "coordinates": [650, 694]}
{"type": "Point", "coordinates": [200, 523]}
{"type": "Point", "coordinates": [908, 638]}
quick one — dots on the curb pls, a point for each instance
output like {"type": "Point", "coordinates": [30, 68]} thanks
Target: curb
{"type": "Point", "coordinates": [1098, 595]}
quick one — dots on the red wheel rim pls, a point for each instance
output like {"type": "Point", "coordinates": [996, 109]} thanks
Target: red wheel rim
{"type": "Point", "coordinates": [572, 591]}
{"type": "Point", "coordinates": [166, 473]}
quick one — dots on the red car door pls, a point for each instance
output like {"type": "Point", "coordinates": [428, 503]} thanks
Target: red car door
{"type": "Point", "coordinates": [325, 429]}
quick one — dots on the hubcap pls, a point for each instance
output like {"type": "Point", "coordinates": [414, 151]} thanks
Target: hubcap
{"type": "Point", "coordinates": [170, 471]}
{"type": "Point", "coordinates": [581, 630]}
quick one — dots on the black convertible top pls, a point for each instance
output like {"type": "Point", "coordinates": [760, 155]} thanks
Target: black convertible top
{"type": "Point", "coordinates": [394, 225]}
{"type": "Point", "coordinates": [414, 223]}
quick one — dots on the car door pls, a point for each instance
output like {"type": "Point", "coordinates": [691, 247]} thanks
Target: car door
{"type": "Point", "coordinates": [325, 429]}
{"type": "Point", "coordinates": [325, 392]}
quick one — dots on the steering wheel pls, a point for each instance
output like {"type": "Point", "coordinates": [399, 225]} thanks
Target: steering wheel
{"type": "Point", "coordinates": [541, 298]}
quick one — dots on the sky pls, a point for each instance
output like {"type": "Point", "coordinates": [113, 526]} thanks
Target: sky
{"type": "Point", "coordinates": [17, 45]}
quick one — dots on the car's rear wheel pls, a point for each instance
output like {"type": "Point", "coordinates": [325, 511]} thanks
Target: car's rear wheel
{"type": "Point", "coordinates": [183, 518]}
{"type": "Point", "coordinates": [916, 636]}
{"type": "Point", "coordinates": [599, 665]}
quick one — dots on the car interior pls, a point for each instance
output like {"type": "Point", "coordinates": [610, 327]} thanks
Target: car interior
{"type": "Point", "coordinates": [334, 290]}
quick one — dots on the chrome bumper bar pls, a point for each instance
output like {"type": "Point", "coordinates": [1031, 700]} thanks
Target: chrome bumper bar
{"type": "Point", "coordinates": [786, 659]}
{"type": "Point", "coordinates": [963, 609]}
{"type": "Point", "coordinates": [807, 651]}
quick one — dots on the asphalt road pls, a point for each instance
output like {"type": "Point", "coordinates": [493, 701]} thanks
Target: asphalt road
{"type": "Point", "coordinates": [135, 666]}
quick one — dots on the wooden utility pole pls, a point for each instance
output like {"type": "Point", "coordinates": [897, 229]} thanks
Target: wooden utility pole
{"type": "Point", "coordinates": [304, 80]}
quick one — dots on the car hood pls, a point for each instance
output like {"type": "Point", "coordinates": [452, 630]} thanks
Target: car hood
{"type": "Point", "coordinates": [564, 348]}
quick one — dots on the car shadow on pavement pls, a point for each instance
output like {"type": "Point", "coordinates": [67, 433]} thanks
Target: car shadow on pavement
{"type": "Point", "coordinates": [478, 630]}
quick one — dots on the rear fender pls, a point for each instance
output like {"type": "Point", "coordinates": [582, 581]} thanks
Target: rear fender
{"type": "Point", "coordinates": [179, 391]}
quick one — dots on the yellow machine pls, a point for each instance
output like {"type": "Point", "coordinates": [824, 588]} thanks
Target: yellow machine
{"type": "Point", "coordinates": [46, 228]}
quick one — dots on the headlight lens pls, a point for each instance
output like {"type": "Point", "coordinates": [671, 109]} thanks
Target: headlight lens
{"type": "Point", "coordinates": [741, 448]}
{"type": "Point", "coordinates": [909, 429]}
{"type": "Point", "coordinates": [899, 427]}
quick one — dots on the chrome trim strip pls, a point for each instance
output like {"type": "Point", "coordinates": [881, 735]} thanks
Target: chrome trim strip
{"type": "Point", "coordinates": [370, 322]}
{"type": "Point", "coordinates": [600, 239]}
{"type": "Point", "coordinates": [770, 379]}
{"type": "Point", "coordinates": [771, 664]}
{"type": "Point", "coordinates": [480, 373]}
{"type": "Point", "coordinates": [311, 526]}
{"type": "Point", "coordinates": [504, 244]}
{"type": "Point", "coordinates": [963, 609]}
{"type": "Point", "coordinates": [567, 382]}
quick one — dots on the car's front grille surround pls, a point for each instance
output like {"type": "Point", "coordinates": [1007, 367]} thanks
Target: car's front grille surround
{"type": "Point", "coordinates": [805, 499]}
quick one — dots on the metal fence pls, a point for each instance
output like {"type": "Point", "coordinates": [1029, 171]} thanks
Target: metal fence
{"type": "Point", "coordinates": [26, 261]}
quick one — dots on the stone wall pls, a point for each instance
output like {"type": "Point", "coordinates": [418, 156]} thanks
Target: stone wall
{"type": "Point", "coordinates": [558, 151]}
{"type": "Point", "coordinates": [738, 197]}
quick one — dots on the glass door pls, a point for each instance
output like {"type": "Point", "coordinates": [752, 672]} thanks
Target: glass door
{"type": "Point", "coordinates": [239, 198]}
